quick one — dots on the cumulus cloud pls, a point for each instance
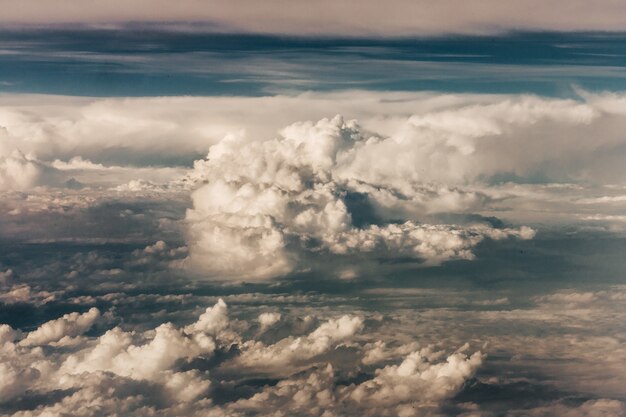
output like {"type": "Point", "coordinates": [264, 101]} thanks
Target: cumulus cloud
{"type": "Point", "coordinates": [23, 293]}
{"type": "Point", "coordinates": [414, 175]}
{"type": "Point", "coordinates": [290, 353]}
{"type": "Point", "coordinates": [416, 377]}
{"type": "Point", "coordinates": [19, 172]}
{"type": "Point", "coordinates": [171, 369]}
{"type": "Point", "coordinates": [267, 320]}
{"type": "Point", "coordinates": [265, 201]}
{"type": "Point", "coordinates": [70, 325]}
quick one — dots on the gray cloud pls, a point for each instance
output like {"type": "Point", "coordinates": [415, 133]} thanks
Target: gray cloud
{"type": "Point", "coordinates": [396, 18]}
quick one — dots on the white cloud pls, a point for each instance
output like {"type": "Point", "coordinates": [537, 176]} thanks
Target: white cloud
{"type": "Point", "coordinates": [265, 201]}
{"type": "Point", "coordinates": [416, 377]}
{"type": "Point", "coordinates": [115, 353]}
{"type": "Point", "coordinates": [70, 325]}
{"type": "Point", "coordinates": [414, 387]}
{"type": "Point", "coordinates": [268, 319]}
{"type": "Point", "coordinates": [265, 204]}
{"type": "Point", "coordinates": [165, 369]}
{"type": "Point", "coordinates": [23, 293]}
{"type": "Point", "coordinates": [19, 171]}
{"type": "Point", "coordinates": [15, 381]}
{"type": "Point", "coordinates": [291, 353]}
{"type": "Point", "coordinates": [76, 163]}
{"type": "Point", "coordinates": [213, 321]}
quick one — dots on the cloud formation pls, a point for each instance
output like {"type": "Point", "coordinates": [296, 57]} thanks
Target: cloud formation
{"type": "Point", "coordinates": [366, 18]}
{"type": "Point", "coordinates": [164, 371]}
{"type": "Point", "coordinates": [415, 176]}
{"type": "Point", "coordinates": [266, 202]}
{"type": "Point", "coordinates": [70, 325]}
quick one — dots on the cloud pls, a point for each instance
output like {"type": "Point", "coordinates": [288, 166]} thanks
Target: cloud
{"type": "Point", "coordinates": [23, 293]}
{"type": "Point", "coordinates": [69, 325]}
{"type": "Point", "coordinates": [267, 320]}
{"type": "Point", "coordinates": [290, 354]}
{"type": "Point", "coordinates": [414, 387]}
{"type": "Point", "coordinates": [401, 176]}
{"type": "Point", "coordinates": [455, 138]}
{"type": "Point", "coordinates": [172, 370]}
{"type": "Point", "coordinates": [591, 408]}
{"type": "Point", "coordinates": [416, 377]}
{"type": "Point", "coordinates": [265, 202]}
{"type": "Point", "coordinates": [18, 172]}
{"type": "Point", "coordinates": [368, 18]}
{"type": "Point", "coordinates": [76, 163]}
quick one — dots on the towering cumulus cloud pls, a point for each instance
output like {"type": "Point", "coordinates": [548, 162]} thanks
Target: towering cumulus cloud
{"type": "Point", "coordinates": [325, 187]}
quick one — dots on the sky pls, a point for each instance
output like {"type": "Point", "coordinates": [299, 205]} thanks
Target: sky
{"type": "Point", "coordinates": [324, 209]}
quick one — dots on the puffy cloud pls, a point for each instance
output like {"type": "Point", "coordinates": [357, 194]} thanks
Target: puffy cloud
{"type": "Point", "coordinates": [414, 387]}
{"type": "Point", "coordinates": [212, 321]}
{"type": "Point", "coordinates": [292, 353]}
{"type": "Point", "coordinates": [411, 179]}
{"type": "Point", "coordinates": [267, 320]}
{"type": "Point", "coordinates": [417, 377]}
{"type": "Point", "coordinates": [70, 325]}
{"type": "Point", "coordinates": [434, 243]}
{"type": "Point", "coordinates": [266, 201]}
{"type": "Point", "coordinates": [406, 181]}
{"type": "Point", "coordinates": [19, 172]}
{"type": "Point", "coordinates": [15, 381]}
{"type": "Point", "coordinates": [115, 353]}
{"type": "Point", "coordinates": [6, 276]}
{"type": "Point", "coordinates": [76, 163]}
{"type": "Point", "coordinates": [23, 293]}
{"type": "Point", "coordinates": [379, 352]}
{"type": "Point", "coordinates": [165, 369]}
{"type": "Point", "coordinates": [7, 334]}
{"type": "Point", "coordinates": [571, 299]}
{"type": "Point", "coordinates": [430, 128]}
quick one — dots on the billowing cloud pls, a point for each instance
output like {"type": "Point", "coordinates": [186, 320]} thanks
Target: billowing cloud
{"type": "Point", "coordinates": [69, 325]}
{"type": "Point", "coordinates": [171, 369]}
{"type": "Point", "coordinates": [266, 201]}
{"type": "Point", "coordinates": [19, 172]}
{"type": "Point", "coordinates": [291, 353]}
{"type": "Point", "coordinates": [400, 175]}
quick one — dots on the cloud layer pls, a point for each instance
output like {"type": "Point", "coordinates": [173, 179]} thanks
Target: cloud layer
{"type": "Point", "coordinates": [366, 18]}
{"type": "Point", "coordinates": [156, 372]}
{"type": "Point", "coordinates": [421, 177]}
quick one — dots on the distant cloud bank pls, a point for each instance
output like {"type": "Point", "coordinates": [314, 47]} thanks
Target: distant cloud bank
{"type": "Point", "coordinates": [327, 17]}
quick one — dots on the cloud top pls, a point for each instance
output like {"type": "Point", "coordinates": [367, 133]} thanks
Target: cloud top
{"type": "Point", "coordinates": [267, 204]}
